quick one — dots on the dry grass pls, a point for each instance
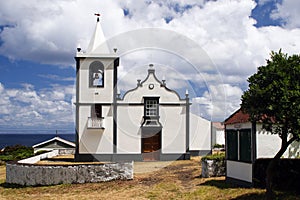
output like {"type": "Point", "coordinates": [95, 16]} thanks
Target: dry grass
{"type": "Point", "coordinates": [178, 180]}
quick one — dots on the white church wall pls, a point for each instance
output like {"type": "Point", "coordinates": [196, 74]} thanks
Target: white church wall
{"type": "Point", "coordinates": [93, 94]}
{"type": "Point", "coordinates": [95, 140]}
{"type": "Point", "coordinates": [129, 133]}
{"type": "Point", "coordinates": [173, 120]}
{"type": "Point", "coordinates": [136, 96]}
{"type": "Point", "coordinates": [200, 133]}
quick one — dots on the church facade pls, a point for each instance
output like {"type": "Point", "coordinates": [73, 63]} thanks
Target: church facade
{"type": "Point", "coordinates": [148, 122]}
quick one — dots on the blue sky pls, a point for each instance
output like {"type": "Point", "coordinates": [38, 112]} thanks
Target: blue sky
{"type": "Point", "coordinates": [38, 43]}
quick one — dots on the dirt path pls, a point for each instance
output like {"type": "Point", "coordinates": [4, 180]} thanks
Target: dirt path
{"type": "Point", "coordinates": [146, 167]}
{"type": "Point", "coordinates": [182, 173]}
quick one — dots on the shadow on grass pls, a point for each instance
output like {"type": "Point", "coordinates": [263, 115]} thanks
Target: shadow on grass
{"type": "Point", "coordinates": [221, 184]}
{"type": "Point", "coordinates": [278, 195]}
{"type": "Point", "coordinates": [14, 186]}
{"type": "Point", "coordinates": [252, 196]}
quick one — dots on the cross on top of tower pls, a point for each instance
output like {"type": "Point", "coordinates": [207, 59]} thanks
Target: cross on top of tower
{"type": "Point", "coordinates": [98, 15]}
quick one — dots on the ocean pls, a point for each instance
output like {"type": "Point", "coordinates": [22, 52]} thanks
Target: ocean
{"type": "Point", "coordinates": [30, 138]}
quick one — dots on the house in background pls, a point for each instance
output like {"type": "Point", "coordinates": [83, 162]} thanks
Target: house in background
{"type": "Point", "coordinates": [149, 122]}
{"type": "Point", "coordinates": [218, 133]}
{"type": "Point", "coordinates": [55, 143]}
{"type": "Point", "coordinates": [246, 142]}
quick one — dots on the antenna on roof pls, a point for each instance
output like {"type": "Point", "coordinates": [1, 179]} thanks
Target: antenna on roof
{"type": "Point", "coordinates": [98, 15]}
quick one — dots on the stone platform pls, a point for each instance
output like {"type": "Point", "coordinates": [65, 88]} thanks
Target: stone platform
{"type": "Point", "coordinates": [33, 174]}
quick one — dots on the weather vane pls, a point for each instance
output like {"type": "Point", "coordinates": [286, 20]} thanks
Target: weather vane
{"type": "Point", "coordinates": [98, 15]}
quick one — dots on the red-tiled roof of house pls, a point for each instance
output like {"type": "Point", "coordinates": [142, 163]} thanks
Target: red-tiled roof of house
{"type": "Point", "coordinates": [237, 117]}
{"type": "Point", "coordinates": [218, 125]}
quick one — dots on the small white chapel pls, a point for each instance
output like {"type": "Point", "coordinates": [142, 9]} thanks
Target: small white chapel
{"type": "Point", "coordinates": [149, 122]}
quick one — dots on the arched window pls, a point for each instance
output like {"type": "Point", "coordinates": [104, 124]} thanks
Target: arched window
{"type": "Point", "coordinates": [96, 74]}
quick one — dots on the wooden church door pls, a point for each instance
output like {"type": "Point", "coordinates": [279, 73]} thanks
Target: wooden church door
{"type": "Point", "coordinates": [151, 147]}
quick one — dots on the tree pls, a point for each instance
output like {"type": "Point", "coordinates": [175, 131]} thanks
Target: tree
{"type": "Point", "coordinates": [273, 98]}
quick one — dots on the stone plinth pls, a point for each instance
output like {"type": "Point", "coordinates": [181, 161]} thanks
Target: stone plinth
{"type": "Point", "coordinates": [213, 168]}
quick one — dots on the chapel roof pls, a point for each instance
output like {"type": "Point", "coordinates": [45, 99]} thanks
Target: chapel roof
{"type": "Point", "coordinates": [66, 142]}
{"type": "Point", "coordinates": [237, 117]}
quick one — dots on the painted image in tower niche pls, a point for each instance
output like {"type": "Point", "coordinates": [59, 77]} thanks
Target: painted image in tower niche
{"type": "Point", "coordinates": [98, 78]}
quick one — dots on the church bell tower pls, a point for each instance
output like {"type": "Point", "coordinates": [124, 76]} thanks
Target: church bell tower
{"type": "Point", "coordinates": [96, 92]}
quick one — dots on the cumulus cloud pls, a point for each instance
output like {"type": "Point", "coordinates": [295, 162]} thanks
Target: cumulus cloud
{"type": "Point", "coordinates": [288, 12]}
{"type": "Point", "coordinates": [262, 2]}
{"type": "Point", "coordinates": [27, 107]}
{"type": "Point", "coordinates": [218, 102]}
{"type": "Point", "coordinates": [49, 32]}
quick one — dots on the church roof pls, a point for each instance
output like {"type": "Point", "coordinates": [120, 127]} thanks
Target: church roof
{"type": "Point", "coordinates": [98, 44]}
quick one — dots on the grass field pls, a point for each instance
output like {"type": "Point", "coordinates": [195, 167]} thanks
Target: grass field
{"type": "Point", "coordinates": [179, 180]}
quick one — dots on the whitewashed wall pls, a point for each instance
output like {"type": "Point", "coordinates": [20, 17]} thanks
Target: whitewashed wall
{"type": "Point", "coordinates": [95, 140]}
{"type": "Point", "coordinates": [136, 96]}
{"type": "Point", "coordinates": [220, 136]}
{"type": "Point", "coordinates": [92, 95]}
{"type": "Point", "coordinates": [239, 170]}
{"type": "Point", "coordinates": [268, 145]}
{"type": "Point", "coordinates": [172, 118]}
{"type": "Point", "coordinates": [200, 133]}
{"type": "Point", "coordinates": [129, 133]}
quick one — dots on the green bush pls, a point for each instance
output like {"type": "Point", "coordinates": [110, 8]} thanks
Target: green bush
{"type": "Point", "coordinates": [16, 152]}
{"type": "Point", "coordinates": [41, 152]}
{"type": "Point", "coordinates": [219, 146]}
{"type": "Point", "coordinates": [6, 157]}
{"type": "Point", "coordinates": [218, 157]}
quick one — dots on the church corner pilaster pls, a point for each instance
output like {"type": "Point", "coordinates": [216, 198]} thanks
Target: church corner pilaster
{"type": "Point", "coordinates": [187, 124]}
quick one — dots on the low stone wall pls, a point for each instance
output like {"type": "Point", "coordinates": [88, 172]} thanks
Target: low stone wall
{"type": "Point", "coordinates": [33, 175]}
{"type": "Point", "coordinates": [212, 168]}
{"type": "Point", "coordinates": [37, 158]}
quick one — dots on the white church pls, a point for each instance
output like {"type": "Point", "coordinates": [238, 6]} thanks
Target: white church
{"type": "Point", "coordinates": [149, 122]}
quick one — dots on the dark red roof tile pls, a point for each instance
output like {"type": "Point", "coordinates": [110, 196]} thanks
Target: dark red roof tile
{"type": "Point", "coordinates": [237, 117]}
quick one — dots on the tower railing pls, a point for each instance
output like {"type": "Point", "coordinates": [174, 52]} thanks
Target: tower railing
{"type": "Point", "coordinates": [95, 123]}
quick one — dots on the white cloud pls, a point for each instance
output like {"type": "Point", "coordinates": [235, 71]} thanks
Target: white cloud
{"type": "Point", "coordinates": [27, 107]}
{"type": "Point", "coordinates": [49, 32]}
{"type": "Point", "coordinates": [262, 2]}
{"type": "Point", "coordinates": [218, 102]}
{"type": "Point", "coordinates": [288, 12]}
